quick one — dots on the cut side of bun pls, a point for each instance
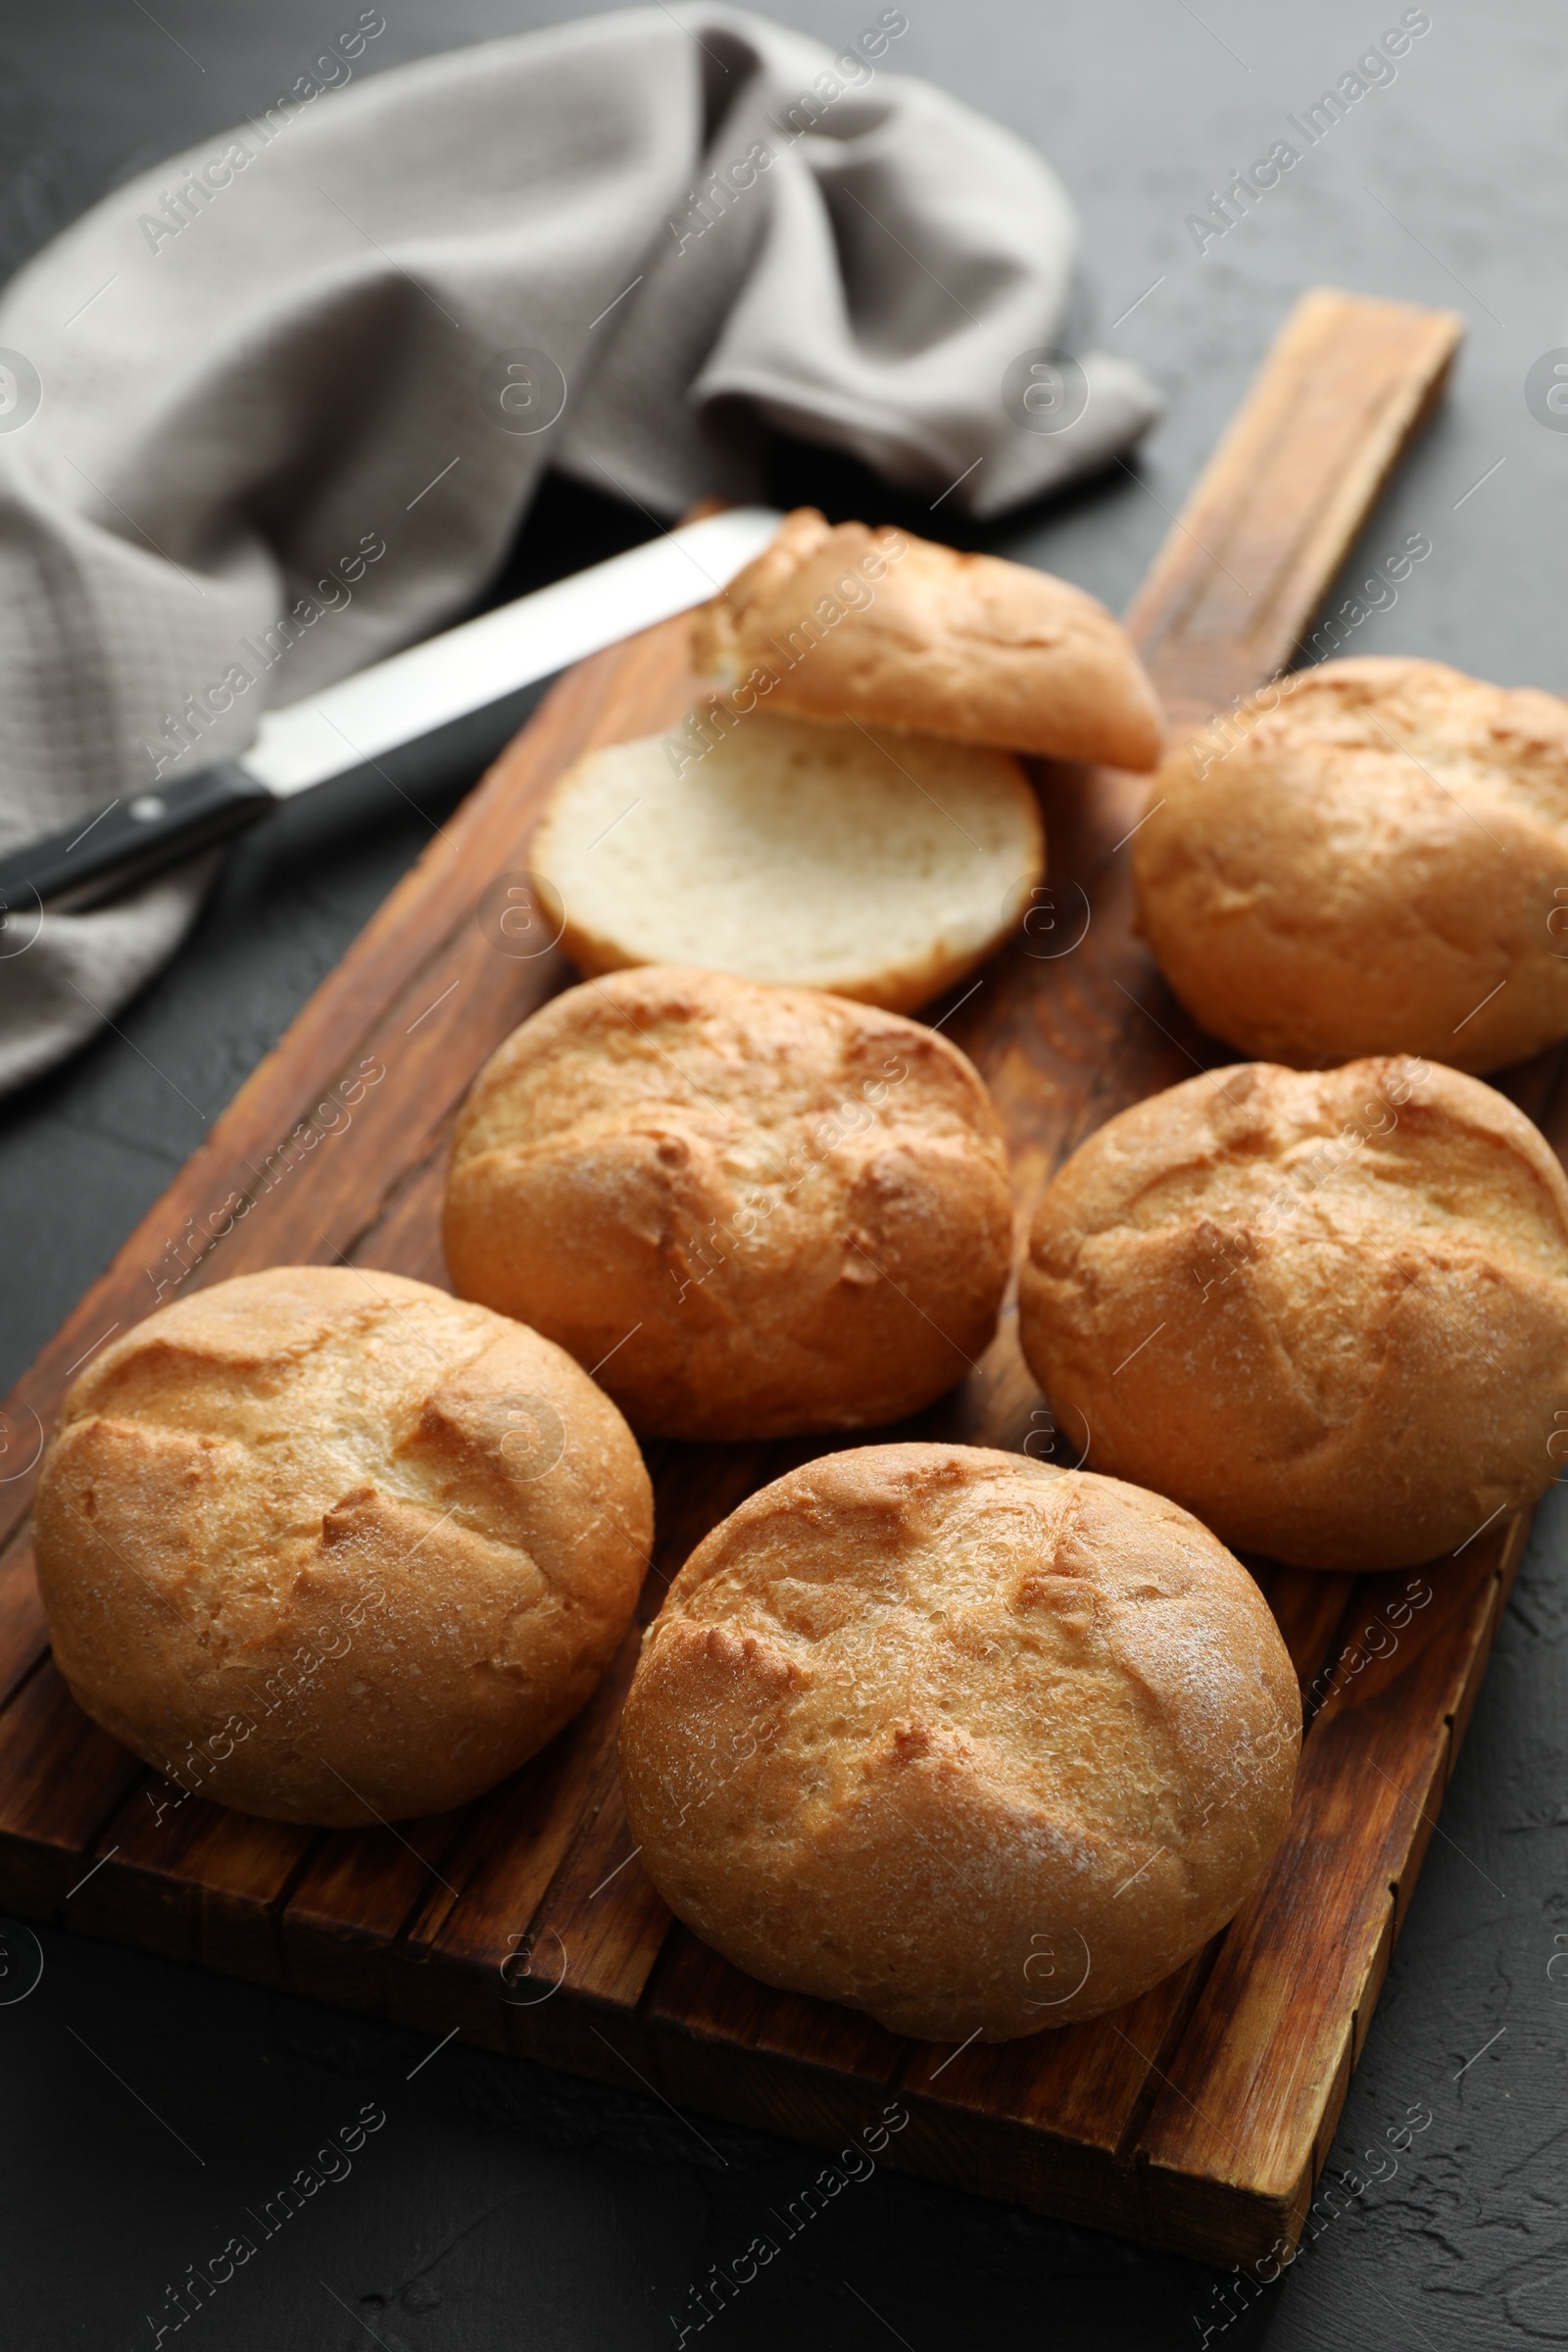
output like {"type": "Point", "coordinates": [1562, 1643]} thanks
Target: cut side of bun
{"type": "Point", "coordinates": [810, 855]}
{"type": "Point", "coordinates": [847, 622]}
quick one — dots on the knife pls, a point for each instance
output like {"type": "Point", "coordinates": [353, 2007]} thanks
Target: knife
{"type": "Point", "coordinates": [382, 708]}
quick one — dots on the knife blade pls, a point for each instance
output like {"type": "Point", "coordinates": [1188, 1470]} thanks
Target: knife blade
{"type": "Point", "coordinates": [392, 703]}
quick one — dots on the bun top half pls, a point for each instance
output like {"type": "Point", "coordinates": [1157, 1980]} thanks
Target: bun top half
{"type": "Point", "coordinates": [895, 630]}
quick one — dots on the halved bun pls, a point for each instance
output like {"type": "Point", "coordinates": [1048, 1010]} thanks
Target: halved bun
{"type": "Point", "coordinates": [810, 855]}
{"type": "Point", "coordinates": [897, 631]}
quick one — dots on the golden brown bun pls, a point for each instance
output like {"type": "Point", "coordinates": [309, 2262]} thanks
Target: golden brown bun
{"type": "Point", "coordinates": [972, 1742]}
{"type": "Point", "coordinates": [901, 632]}
{"type": "Point", "coordinates": [1344, 1353]}
{"type": "Point", "coordinates": [1371, 858]}
{"type": "Point", "coordinates": [327, 1546]}
{"type": "Point", "coordinates": [751, 1210]}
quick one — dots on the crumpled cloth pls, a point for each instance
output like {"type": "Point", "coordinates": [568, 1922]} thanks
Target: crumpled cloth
{"type": "Point", "coordinates": [278, 408]}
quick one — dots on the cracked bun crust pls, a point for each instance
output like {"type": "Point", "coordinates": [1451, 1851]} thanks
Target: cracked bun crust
{"type": "Point", "coordinates": [751, 1210]}
{"type": "Point", "coordinates": [971, 1742]}
{"type": "Point", "coordinates": [328, 1545]}
{"type": "Point", "coordinates": [899, 631]}
{"type": "Point", "coordinates": [1327, 1311]}
{"type": "Point", "coordinates": [1367, 859]}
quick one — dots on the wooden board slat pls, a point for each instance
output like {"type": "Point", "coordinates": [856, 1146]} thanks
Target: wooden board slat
{"type": "Point", "coordinates": [60, 1779]}
{"type": "Point", "coordinates": [23, 1635]}
{"type": "Point", "coordinates": [350, 1903]}
{"type": "Point", "coordinates": [1196, 2117]}
{"type": "Point", "coordinates": [205, 1883]}
{"type": "Point", "coordinates": [1254, 2089]}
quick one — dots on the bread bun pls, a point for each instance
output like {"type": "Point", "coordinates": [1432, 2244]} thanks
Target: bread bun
{"type": "Point", "coordinates": [333, 1546]}
{"type": "Point", "coordinates": [749, 1211]}
{"type": "Point", "coordinates": [971, 1742]}
{"type": "Point", "coordinates": [809, 855]}
{"type": "Point", "coordinates": [1370, 858]}
{"type": "Point", "coordinates": [1327, 1313]}
{"type": "Point", "coordinates": [901, 632]}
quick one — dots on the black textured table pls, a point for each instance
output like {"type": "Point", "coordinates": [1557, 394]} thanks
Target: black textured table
{"type": "Point", "coordinates": [149, 2113]}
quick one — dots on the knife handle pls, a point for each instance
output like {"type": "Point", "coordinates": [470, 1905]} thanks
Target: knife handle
{"type": "Point", "coordinates": [136, 836]}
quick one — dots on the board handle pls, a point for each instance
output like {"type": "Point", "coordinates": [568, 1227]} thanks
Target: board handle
{"type": "Point", "coordinates": [1345, 387]}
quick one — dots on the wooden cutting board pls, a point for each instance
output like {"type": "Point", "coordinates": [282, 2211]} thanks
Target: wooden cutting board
{"type": "Point", "coordinates": [1198, 2117]}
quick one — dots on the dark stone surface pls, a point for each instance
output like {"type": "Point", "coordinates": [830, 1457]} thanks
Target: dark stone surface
{"type": "Point", "coordinates": [498, 2205]}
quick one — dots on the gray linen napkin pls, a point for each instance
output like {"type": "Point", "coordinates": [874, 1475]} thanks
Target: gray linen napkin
{"type": "Point", "coordinates": [315, 366]}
